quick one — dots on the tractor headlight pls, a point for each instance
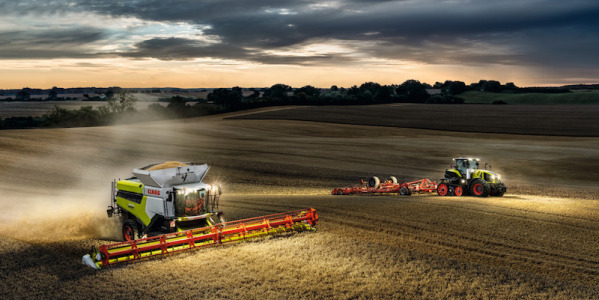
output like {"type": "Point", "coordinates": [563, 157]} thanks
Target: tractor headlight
{"type": "Point", "coordinates": [492, 177]}
{"type": "Point", "coordinates": [463, 181]}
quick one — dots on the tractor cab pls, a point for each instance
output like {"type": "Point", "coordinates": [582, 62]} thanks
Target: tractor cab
{"type": "Point", "coordinates": [466, 166]}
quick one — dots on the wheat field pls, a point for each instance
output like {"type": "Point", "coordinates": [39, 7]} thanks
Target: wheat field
{"type": "Point", "coordinates": [538, 241]}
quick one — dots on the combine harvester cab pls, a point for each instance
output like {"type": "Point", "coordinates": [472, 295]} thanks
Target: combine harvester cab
{"type": "Point", "coordinates": [167, 208]}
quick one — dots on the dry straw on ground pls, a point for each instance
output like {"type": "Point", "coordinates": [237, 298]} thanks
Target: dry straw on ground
{"type": "Point", "coordinates": [532, 243]}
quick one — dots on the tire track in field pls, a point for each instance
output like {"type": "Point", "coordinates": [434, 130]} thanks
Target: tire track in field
{"type": "Point", "coordinates": [440, 241]}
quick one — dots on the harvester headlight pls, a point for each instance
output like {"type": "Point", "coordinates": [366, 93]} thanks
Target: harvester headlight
{"type": "Point", "coordinates": [492, 177]}
{"type": "Point", "coordinates": [463, 181]}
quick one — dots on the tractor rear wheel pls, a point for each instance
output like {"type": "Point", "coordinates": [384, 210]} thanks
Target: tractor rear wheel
{"type": "Point", "coordinates": [443, 189]}
{"type": "Point", "coordinates": [130, 230]}
{"type": "Point", "coordinates": [374, 181]}
{"type": "Point", "coordinates": [479, 188]}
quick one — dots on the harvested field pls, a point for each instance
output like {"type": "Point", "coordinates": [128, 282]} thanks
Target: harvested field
{"type": "Point", "coordinates": [538, 241]}
{"type": "Point", "coordinates": [559, 120]}
{"type": "Point", "coordinates": [38, 109]}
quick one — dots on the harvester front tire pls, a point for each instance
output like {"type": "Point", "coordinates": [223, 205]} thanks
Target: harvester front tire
{"type": "Point", "coordinates": [374, 181]}
{"type": "Point", "coordinates": [130, 230]}
{"type": "Point", "coordinates": [393, 179]}
{"type": "Point", "coordinates": [479, 188]}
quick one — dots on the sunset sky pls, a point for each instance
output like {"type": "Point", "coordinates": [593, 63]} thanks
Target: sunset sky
{"type": "Point", "coordinates": [257, 43]}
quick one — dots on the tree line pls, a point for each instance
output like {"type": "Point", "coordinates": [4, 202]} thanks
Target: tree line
{"type": "Point", "coordinates": [120, 106]}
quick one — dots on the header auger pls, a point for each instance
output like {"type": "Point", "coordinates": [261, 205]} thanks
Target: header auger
{"type": "Point", "coordinates": [166, 208]}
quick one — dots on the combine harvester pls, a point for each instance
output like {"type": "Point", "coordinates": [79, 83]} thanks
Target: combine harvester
{"type": "Point", "coordinates": [389, 186]}
{"type": "Point", "coordinates": [166, 208]}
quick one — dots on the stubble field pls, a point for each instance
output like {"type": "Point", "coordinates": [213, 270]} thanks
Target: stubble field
{"type": "Point", "coordinates": [539, 240]}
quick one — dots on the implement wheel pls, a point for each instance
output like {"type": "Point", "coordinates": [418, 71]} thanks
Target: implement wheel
{"type": "Point", "coordinates": [393, 179]}
{"type": "Point", "coordinates": [374, 181]}
{"type": "Point", "coordinates": [443, 189]}
{"type": "Point", "coordinates": [404, 191]}
{"type": "Point", "coordinates": [479, 188]}
{"type": "Point", "coordinates": [339, 192]}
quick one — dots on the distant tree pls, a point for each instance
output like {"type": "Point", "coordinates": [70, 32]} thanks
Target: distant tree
{"type": "Point", "coordinates": [125, 101]}
{"type": "Point", "coordinates": [334, 88]}
{"type": "Point", "coordinates": [231, 98]}
{"type": "Point", "coordinates": [178, 105]}
{"type": "Point", "coordinates": [280, 91]}
{"type": "Point", "coordinates": [308, 90]}
{"type": "Point", "coordinates": [413, 90]}
{"type": "Point", "coordinates": [453, 87]}
{"type": "Point", "coordinates": [493, 86]}
{"type": "Point", "coordinates": [53, 94]}
{"type": "Point", "coordinates": [510, 86]}
{"type": "Point", "coordinates": [23, 95]}
{"type": "Point", "coordinates": [384, 94]}
{"type": "Point", "coordinates": [109, 93]}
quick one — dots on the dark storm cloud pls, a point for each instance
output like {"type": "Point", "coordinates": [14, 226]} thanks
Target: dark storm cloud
{"type": "Point", "coordinates": [533, 32]}
{"type": "Point", "coordinates": [184, 49]}
{"type": "Point", "coordinates": [48, 43]}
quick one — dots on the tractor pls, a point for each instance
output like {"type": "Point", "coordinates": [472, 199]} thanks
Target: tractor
{"type": "Point", "coordinates": [465, 177]}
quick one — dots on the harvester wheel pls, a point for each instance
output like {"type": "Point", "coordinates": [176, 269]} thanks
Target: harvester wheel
{"type": "Point", "coordinates": [479, 188]}
{"type": "Point", "coordinates": [130, 230]}
{"type": "Point", "coordinates": [458, 191]}
{"type": "Point", "coordinates": [393, 179]}
{"type": "Point", "coordinates": [442, 189]}
{"type": "Point", "coordinates": [374, 181]}
{"type": "Point", "coordinates": [404, 191]}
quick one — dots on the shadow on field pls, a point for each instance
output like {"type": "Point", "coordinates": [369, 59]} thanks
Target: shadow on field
{"type": "Point", "coordinates": [60, 260]}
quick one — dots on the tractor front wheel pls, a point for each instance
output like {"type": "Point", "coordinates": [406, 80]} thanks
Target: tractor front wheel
{"type": "Point", "coordinates": [443, 189]}
{"type": "Point", "coordinates": [458, 191]}
{"type": "Point", "coordinates": [479, 188]}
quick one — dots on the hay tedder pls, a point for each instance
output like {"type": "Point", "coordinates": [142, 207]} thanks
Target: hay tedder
{"type": "Point", "coordinates": [389, 186]}
{"type": "Point", "coordinates": [166, 208]}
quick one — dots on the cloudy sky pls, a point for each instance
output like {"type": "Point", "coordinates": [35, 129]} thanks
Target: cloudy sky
{"type": "Point", "coordinates": [255, 43]}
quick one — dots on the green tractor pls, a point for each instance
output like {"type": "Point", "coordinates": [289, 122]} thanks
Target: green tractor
{"type": "Point", "coordinates": [465, 177]}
